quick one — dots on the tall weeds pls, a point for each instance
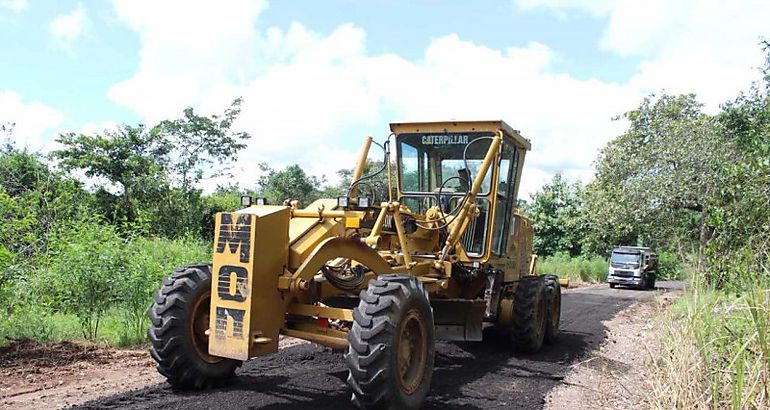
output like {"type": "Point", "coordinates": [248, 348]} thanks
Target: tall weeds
{"type": "Point", "coordinates": [579, 268]}
{"type": "Point", "coordinates": [714, 351]}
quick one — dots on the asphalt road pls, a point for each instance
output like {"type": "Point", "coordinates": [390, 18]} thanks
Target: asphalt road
{"type": "Point", "coordinates": [484, 375]}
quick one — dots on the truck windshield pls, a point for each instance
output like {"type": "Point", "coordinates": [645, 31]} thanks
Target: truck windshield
{"type": "Point", "coordinates": [426, 161]}
{"type": "Point", "coordinates": [625, 258]}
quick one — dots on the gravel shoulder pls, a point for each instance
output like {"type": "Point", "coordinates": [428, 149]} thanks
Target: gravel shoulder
{"type": "Point", "coordinates": [614, 376]}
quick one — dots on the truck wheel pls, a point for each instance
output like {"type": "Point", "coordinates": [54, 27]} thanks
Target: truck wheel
{"type": "Point", "coordinates": [530, 314]}
{"type": "Point", "coordinates": [644, 283]}
{"type": "Point", "coordinates": [390, 353]}
{"type": "Point", "coordinates": [553, 302]}
{"type": "Point", "coordinates": [179, 319]}
{"type": "Point", "coordinates": [612, 286]}
{"type": "Point", "coordinates": [651, 281]}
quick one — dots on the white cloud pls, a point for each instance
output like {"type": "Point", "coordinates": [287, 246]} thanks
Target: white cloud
{"type": "Point", "coordinates": [310, 97]}
{"type": "Point", "coordinates": [35, 123]}
{"type": "Point", "coordinates": [92, 128]}
{"type": "Point", "coordinates": [709, 47]}
{"type": "Point", "coordinates": [14, 5]}
{"type": "Point", "coordinates": [189, 50]}
{"type": "Point", "coordinates": [597, 8]}
{"type": "Point", "coordinates": [67, 28]}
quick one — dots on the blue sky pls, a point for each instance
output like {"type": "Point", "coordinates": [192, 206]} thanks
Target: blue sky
{"type": "Point", "coordinates": [318, 76]}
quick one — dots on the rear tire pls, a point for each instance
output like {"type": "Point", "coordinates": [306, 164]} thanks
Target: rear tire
{"type": "Point", "coordinates": [530, 314]}
{"type": "Point", "coordinates": [553, 300]}
{"type": "Point", "coordinates": [179, 316]}
{"type": "Point", "coordinates": [651, 281]}
{"type": "Point", "coordinates": [385, 371]}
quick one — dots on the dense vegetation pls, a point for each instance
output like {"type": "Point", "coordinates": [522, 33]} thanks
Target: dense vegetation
{"type": "Point", "coordinates": [697, 188]}
{"type": "Point", "coordinates": [83, 261]}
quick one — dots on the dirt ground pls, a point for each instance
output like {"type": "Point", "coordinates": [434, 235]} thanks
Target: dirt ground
{"type": "Point", "coordinates": [596, 364]}
{"type": "Point", "coordinates": [53, 376]}
{"type": "Point", "coordinates": [614, 376]}
{"type": "Point", "coordinates": [49, 376]}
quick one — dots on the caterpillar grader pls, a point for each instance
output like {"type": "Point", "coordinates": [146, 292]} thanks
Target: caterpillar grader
{"type": "Point", "coordinates": [445, 254]}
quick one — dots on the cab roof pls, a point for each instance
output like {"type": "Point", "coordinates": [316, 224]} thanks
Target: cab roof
{"type": "Point", "coordinates": [509, 133]}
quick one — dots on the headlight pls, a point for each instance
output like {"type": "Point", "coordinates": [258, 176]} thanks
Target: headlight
{"type": "Point", "coordinates": [364, 202]}
{"type": "Point", "coordinates": [261, 201]}
{"type": "Point", "coordinates": [343, 201]}
{"type": "Point", "coordinates": [245, 200]}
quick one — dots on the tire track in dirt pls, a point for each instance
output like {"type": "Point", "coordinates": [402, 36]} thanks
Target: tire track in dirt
{"type": "Point", "coordinates": [486, 375]}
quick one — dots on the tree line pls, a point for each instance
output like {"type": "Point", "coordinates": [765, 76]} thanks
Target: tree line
{"type": "Point", "coordinates": [90, 229]}
{"type": "Point", "coordinates": [680, 180]}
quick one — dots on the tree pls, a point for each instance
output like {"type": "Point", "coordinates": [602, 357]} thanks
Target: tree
{"type": "Point", "coordinates": [33, 198]}
{"type": "Point", "coordinates": [654, 183]}
{"type": "Point", "coordinates": [133, 157]}
{"type": "Point", "coordinates": [6, 131]}
{"type": "Point", "coordinates": [556, 211]}
{"type": "Point", "coordinates": [740, 212]}
{"type": "Point", "coordinates": [199, 141]}
{"type": "Point", "coordinates": [375, 186]}
{"type": "Point", "coordinates": [154, 168]}
{"type": "Point", "coordinates": [291, 183]}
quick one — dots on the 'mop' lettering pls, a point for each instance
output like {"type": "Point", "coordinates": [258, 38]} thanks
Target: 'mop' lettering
{"type": "Point", "coordinates": [223, 282]}
{"type": "Point", "coordinates": [236, 236]}
{"type": "Point", "coordinates": [220, 330]}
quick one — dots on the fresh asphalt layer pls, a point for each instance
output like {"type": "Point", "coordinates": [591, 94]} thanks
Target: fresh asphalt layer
{"type": "Point", "coordinates": [482, 375]}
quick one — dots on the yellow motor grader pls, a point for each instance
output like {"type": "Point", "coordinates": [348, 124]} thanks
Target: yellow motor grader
{"type": "Point", "coordinates": [444, 255]}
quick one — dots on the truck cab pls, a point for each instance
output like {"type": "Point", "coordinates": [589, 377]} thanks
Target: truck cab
{"type": "Point", "coordinates": [633, 266]}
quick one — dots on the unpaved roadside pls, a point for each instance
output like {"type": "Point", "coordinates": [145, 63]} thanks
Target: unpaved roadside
{"type": "Point", "coordinates": [58, 375]}
{"type": "Point", "coordinates": [49, 376]}
{"type": "Point", "coordinates": [614, 376]}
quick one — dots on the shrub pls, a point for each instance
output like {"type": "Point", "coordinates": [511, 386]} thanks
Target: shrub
{"type": "Point", "coordinates": [149, 261]}
{"type": "Point", "coordinates": [583, 268]}
{"type": "Point", "coordinates": [670, 266]}
{"type": "Point", "coordinates": [85, 265]}
{"type": "Point", "coordinates": [27, 321]}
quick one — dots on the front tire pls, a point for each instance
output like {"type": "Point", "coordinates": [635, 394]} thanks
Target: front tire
{"type": "Point", "coordinates": [391, 350]}
{"type": "Point", "coordinates": [529, 314]}
{"type": "Point", "coordinates": [179, 318]}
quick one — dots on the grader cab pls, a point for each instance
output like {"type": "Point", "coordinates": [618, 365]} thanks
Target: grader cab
{"type": "Point", "coordinates": [444, 254]}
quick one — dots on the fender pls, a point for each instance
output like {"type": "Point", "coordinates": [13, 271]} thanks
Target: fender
{"type": "Point", "coordinates": [332, 248]}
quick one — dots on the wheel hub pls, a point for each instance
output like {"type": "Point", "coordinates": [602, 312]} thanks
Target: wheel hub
{"type": "Point", "coordinates": [199, 324]}
{"type": "Point", "coordinates": [411, 352]}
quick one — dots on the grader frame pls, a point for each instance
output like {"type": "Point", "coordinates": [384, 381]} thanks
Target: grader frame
{"type": "Point", "coordinates": [286, 270]}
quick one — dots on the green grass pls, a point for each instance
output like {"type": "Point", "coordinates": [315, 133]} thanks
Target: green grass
{"type": "Point", "coordinates": [576, 269]}
{"type": "Point", "coordinates": [33, 306]}
{"type": "Point", "coordinates": [60, 327]}
{"type": "Point", "coordinates": [714, 351]}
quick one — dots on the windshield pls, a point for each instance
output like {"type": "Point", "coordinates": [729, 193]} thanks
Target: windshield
{"type": "Point", "coordinates": [429, 162]}
{"type": "Point", "coordinates": [625, 258]}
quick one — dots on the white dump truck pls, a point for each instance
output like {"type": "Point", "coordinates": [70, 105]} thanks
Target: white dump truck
{"type": "Point", "coordinates": [633, 266]}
